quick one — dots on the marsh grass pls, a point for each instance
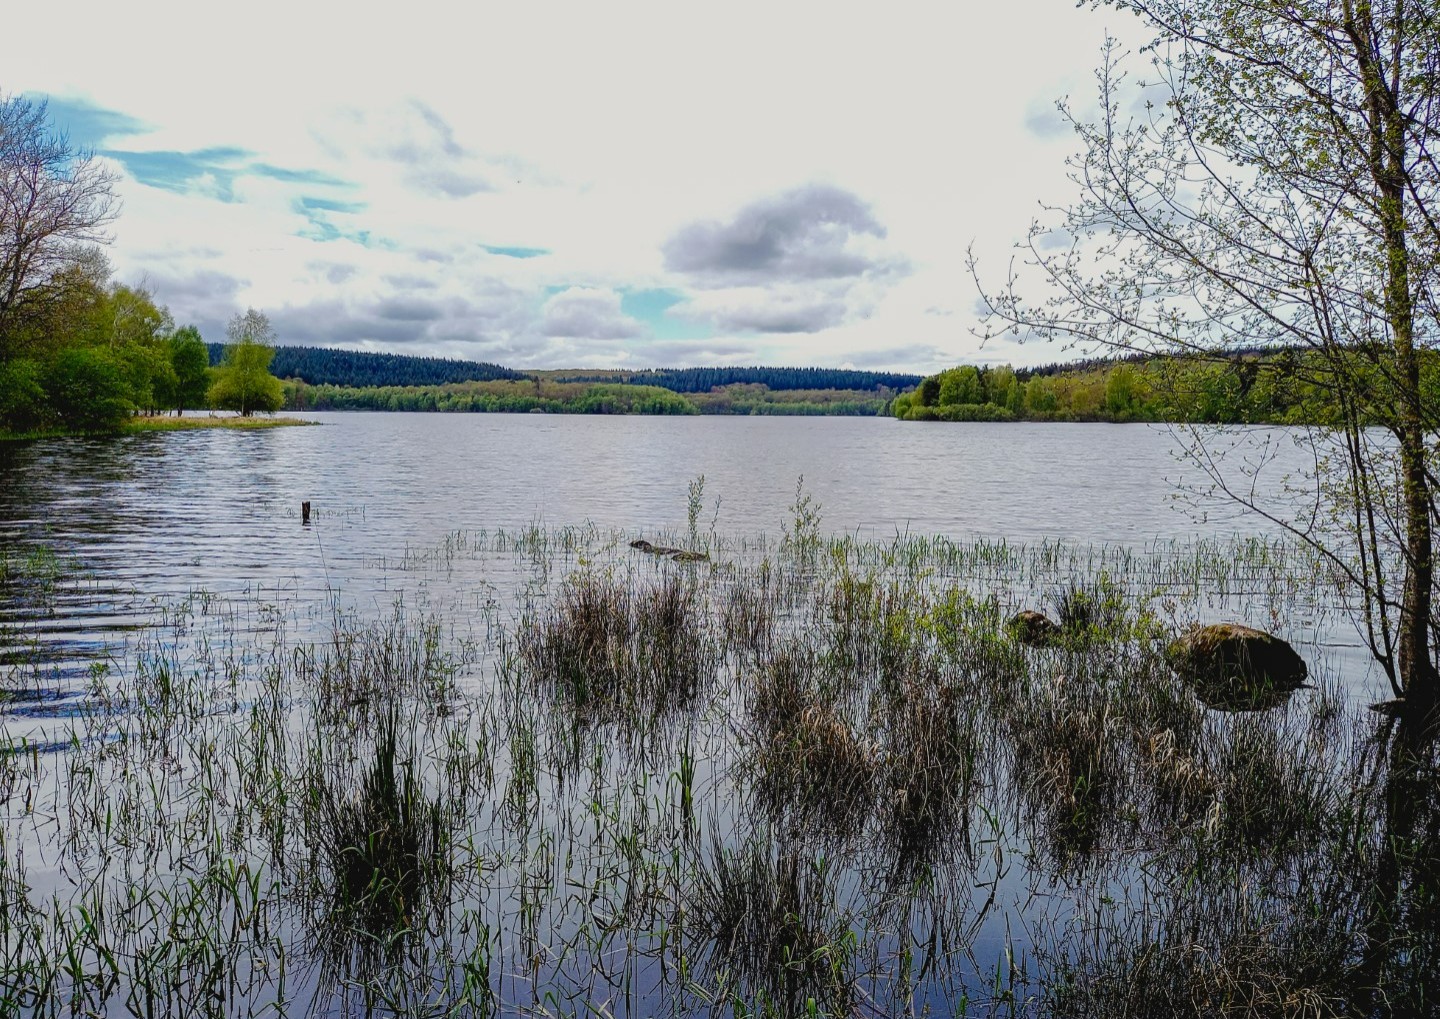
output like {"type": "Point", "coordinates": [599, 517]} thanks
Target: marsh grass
{"type": "Point", "coordinates": [812, 768]}
{"type": "Point", "coordinates": [807, 777]}
{"type": "Point", "coordinates": [1092, 610]}
{"type": "Point", "coordinates": [380, 848]}
{"type": "Point", "coordinates": [610, 651]}
{"type": "Point", "coordinates": [748, 616]}
{"type": "Point", "coordinates": [929, 778]}
{"type": "Point", "coordinates": [775, 942]}
{"type": "Point", "coordinates": [365, 668]}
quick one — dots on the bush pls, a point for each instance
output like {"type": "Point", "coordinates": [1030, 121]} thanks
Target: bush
{"type": "Point", "coordinates": [88, 390]}
{"type": "Point", "coordinates": [22, 397]}
{"type": "Point", "coordinates": [975, 412]}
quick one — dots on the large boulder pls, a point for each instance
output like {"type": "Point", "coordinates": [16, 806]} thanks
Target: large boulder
{"type": "Point", "coordinates": [1237, 668]}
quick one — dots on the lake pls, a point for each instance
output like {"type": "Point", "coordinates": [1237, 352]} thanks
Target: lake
{"type": "Point", "coordinates": [222, 508]}
{"type": "Point", "coordinates": [454, 744]}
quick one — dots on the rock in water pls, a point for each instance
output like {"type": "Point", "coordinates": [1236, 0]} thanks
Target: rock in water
{"type": "Point", "coordinates": [1033, 628]}
{"type": "Point", "coordinates": [1237, 668]}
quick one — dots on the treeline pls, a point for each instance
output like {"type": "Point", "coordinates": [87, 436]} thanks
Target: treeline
{"type": "Point", "coordinates": [497, 397]}
{"type": "Point", "coordinates": [324, 366]}
{"type": "Point", "coordinates": [1285, 387]}
{"type": "Point", "coordinates": [703, 380]}
{"type": "Point", "coordinates": [550, 394]}
{"type": "Point", "coordinates": [80, 352]}
{"type": "Point", "coordinates": [77, 350]}
{"type": "Point", "coordinates": [103, 353]}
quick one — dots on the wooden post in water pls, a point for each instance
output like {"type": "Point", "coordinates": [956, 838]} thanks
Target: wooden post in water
{"type": "Point", "coordinates": [305, 513]}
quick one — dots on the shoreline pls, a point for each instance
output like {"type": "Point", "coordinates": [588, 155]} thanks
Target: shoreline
{"type": "Point", "coordinates": [164, 424]}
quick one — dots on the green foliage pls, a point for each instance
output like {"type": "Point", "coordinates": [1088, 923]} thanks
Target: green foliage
{"type": "Point", "coordinates": [1275, 387]}
{"type": "Point", "coordinates": [148, 373]}
{"type": "Point", "coordinates": [243, 381]}
{"type": "Point", "coordinates": [1120, 392]}
{"type": "Point", "coordinates": [543, 393]}
{"type": "Point", "coordinates": [961, 386]}
{"type": "Point", "coordinates": [974, 412]}
{"type": "Point", "coordinates": [190, 362]}
{"type": "Point", "coordinates": [22, 394]}
{"type": "Point", "coordinates": [88, 389]}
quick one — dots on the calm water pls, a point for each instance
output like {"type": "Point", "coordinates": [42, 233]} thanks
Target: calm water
{"type": "Point", "coordinates": [223, 506]}
{"type": "Point", "coordinates": [149, 519]}
{"type": "Point", "coordinates": [145, 521]}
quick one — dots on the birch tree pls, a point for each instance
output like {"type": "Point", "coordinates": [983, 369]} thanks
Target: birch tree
{"type": "Point", "coordinates": [1273, 181]}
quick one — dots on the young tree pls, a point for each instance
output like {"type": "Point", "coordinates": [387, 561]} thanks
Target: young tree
{"type": "Point", "coordinates": [190, 361]}
{"type": "Point", "coordinates": [1280, 188]}
{"type": "Point", "coordinates": [243, 381]}
{"type": "Point", "coordinates": [54, 200]}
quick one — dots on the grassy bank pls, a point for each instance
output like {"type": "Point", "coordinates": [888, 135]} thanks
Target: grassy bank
{"type": "Point", "coordinates": [234, 423]}
{"type": "Point", "coordinates": [167, 424]}
{"type": "Point", "coordinates": [805, 776]}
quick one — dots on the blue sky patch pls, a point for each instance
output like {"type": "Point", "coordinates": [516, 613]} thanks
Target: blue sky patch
{"type": "Point", "coordinates": [85, 124]}
{"type": "Point", "coordinates": [178, 171]}
{"type": "Point", "coordinates": [308, 203]}
{"type": "Point", "coordinates": [511, 252]}
{"type": "Point", "coordinates": [289, 176]}
{"type": "Point", "coordinates": [318, 212]}
{"type": "Point", "coordinates": [652, 307]}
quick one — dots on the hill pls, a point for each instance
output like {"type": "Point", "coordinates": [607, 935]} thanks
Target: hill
{"type": "Point", "coordinates": [323, 366]}
{"type": "Point", "coordinates": [703, 380]}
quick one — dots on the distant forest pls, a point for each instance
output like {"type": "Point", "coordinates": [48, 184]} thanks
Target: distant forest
{"type": "Point", "coordinates": [552, 393]}
{"type": "Point", "coordinates": [703, 380]}
{"type": "Point", "coordinates": [321, 366]}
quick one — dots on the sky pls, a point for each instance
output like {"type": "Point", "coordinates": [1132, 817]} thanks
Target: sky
{"type": "Point", "coordinates": [548, 185]}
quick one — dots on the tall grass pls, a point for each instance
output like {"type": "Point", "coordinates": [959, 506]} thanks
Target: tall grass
{"type": "Point", "coordinates": [806, 777]}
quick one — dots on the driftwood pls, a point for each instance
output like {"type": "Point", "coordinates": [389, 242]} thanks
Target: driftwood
{"type": "Point", "coordinates": [679, 555]}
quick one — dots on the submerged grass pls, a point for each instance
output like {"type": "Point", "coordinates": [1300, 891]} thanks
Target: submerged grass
{"type": "Point", "coordinates": [379, 852]}
{"type": "Point", "coordinates": [807, 778]}
{"type": "Point", "coordinates": [775, 941]}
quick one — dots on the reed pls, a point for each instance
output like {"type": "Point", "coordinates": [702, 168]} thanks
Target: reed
{"type": "Point", "coordinates": [811, 776]}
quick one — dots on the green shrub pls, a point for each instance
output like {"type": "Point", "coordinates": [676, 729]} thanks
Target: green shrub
{"type": "Point", "coordinates": [22, 397]}
{"type": "Point", "coordinates": [974, 412]}
{"type": "Point", "coordinates": [89, 390]}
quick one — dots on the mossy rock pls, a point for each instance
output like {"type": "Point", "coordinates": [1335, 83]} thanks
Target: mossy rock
{"type": "Point", "coordinates": [1237, 668]}
{"type": "Point", "coordinates": [1035, 629]}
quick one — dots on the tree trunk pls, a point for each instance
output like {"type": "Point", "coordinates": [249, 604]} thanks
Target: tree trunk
{"type": "Point", "coordinates": [1390, 171]}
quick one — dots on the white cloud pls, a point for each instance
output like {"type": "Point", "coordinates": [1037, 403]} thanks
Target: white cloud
{"type": "Point", "coordinates": [588, 313]}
